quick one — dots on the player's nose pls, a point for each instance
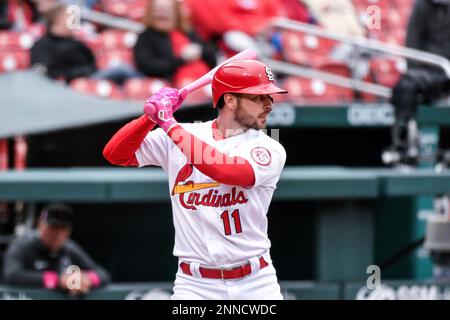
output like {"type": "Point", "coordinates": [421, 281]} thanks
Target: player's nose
{"type": "Point", "coordinates": [268, 104]}
{"type": "Point", "coordinates": [268, 107]}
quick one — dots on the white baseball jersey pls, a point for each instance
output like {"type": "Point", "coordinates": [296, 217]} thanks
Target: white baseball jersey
{"type": "Point", "coordinates": [217, 225]}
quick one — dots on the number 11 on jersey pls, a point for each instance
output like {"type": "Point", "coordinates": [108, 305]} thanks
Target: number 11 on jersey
{"type": "Point", "coordinates": [226, 221]}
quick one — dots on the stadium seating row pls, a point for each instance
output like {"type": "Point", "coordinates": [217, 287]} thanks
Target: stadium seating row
{"type": "Point", "coordinates": [114, 47]}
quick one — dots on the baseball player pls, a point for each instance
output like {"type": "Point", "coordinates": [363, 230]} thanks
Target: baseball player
{"type": "Point", "coordinates": [222, 175]}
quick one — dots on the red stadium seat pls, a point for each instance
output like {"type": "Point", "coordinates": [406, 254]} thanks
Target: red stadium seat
{"type": "Point", "coordinates": [93, 44]}
{"type": "Point", "coordinates": [345, 94]}
{"type": "Point", "coordinates": [405, 12]}
{"type": "Point", "coordinates": [141, 89]}
{"type": "Point", "coordinates": [15, 40]}
{"type": "Point", "coordinates": [306, 49]}
{"type": "Point", "coordinates": [336, 68]}
{"type": "Point", "coordinates": [387, 71]}
{"type": "Point", "coordinates": [106, 59]}
{"type": "Point", "coordinates": [114, 48]}
{"type": "Point", "coordinates": [88, 35]}
{"type": "Point", "coordinates": [403, 4]}
{"type": "Point", "coordinates": [303, 90]}
{"type": "Point", "coordinates": [133, 9]}
{"type": "Point", "coordinates": [380, 3]}
{"type": "Point", "coordinates": [117, 40]}
{"type": "Point", "coordinates": [392, 36]}
{"type": "Point", "coordinates": [396, 37]}
{"type": "Point", "coordinates": [13, 60]}
{"type": "Point", "coordinates": [365, 96]}
{"type": "Point", "coordinates": [101, 88]}
{"type": "Point", "coordinates": [395, 19]}
{"type": "Point", "coordinates": [37, 30]}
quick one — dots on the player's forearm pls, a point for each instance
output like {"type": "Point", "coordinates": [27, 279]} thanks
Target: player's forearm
{"type": "Point", "coordinates": [211, 162]}
{"type": "Point", "coordinates": [120, 150]}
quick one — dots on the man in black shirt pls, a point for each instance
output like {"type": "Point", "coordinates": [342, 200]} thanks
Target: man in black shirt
{"type": "Point", "coordinates": [58, 53]}
{"type": "Point", "coordinates": [428, 30]}
{"type": "Point", "coordinates": [47, 258]}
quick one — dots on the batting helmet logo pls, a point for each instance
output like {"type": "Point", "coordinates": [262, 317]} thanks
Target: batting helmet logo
{"type": "Point", "coordinates": [243, 76]}
{"type": "Point", "coordinates": [269, 74]}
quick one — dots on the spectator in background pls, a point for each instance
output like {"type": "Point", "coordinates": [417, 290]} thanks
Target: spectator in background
{"type": "Point", "coordinates": [42, 258]}
{"type": "Point", "coordinates": [298, 11]}
{"type": "Point", "coordinates": [428, 30]}
{"type": "Point", "coordinates": [168, 48]}
{"type": "Point", "coordinates": [235, 24]}
{"type": "Point", "coordinates": [61, 56]}
{"type": "Point", "coordinates": [336, 15]}
{"type": "Point", "coordinates": [17, 15]}
{"type": "Point", "coordinates": [45, 7]}
{"type": "Point", "coordinates": [58, 53]}
{"type": "Point", "coordinates": [248, 16]}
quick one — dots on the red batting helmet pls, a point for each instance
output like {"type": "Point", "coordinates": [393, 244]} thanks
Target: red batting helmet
{"type": "Point", "coordinates": [243, 76]}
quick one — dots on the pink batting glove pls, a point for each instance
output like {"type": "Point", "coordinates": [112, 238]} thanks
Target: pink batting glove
{"type": "Point", "coordinates": [160, 107]}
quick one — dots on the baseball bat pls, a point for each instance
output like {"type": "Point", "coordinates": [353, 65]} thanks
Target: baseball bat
{"type": "Point", "coordinates": [207, 77]}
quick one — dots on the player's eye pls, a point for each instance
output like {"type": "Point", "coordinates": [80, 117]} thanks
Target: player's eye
{"type": "Point", "coordinates": [255, 99]}
{"type": "Point", "coordinates": [263, 98]}
{"type": "Point", "coordinates": [259, 98]}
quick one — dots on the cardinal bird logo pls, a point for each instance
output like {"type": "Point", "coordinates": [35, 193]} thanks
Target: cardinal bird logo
{"type": "Point", "coordinates": [182, 186]}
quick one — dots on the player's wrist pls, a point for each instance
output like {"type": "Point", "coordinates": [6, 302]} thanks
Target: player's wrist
{"type": "Point", "coordinates": [168, 124]}
{"type": "Point", "coordinates": [149, 118]}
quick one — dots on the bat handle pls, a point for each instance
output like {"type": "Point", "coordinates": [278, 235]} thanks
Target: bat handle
{"type": "Point", "coordinates": [182, 95]}
{"type": "Point", "coordinates": [197, 84]}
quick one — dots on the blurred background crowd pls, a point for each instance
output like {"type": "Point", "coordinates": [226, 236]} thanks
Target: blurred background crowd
{"type": "Point", "coordinates": [175, 41]}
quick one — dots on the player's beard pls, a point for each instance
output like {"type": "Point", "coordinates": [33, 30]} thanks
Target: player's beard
{"type": "Point", "coordinates": [245, 119]}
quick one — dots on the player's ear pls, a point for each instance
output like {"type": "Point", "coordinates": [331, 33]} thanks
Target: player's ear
{"type": "Point", "coordinates": [230, 101]}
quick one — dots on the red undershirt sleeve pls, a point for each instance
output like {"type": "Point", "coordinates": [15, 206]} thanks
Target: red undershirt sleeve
{"type": "Point", "coordinates": [211, 162]}
{"type": "Point", "coordinates": [120, 150]}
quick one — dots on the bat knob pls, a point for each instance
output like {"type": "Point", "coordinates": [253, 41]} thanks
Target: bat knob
{"type": "Point", "coordinates": [149, 109]}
